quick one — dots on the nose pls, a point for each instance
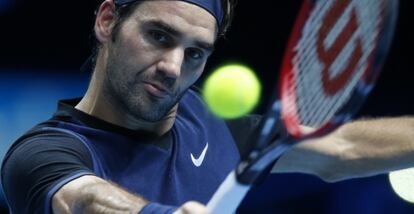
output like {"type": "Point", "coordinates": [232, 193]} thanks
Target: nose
{"type": "Point", "coordinates": [171, 63]}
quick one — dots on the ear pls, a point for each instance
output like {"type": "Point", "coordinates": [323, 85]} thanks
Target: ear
{"type": "Point", "coordinates": [105, 20]}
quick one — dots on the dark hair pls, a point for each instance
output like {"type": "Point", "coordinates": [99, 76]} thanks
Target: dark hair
{"type": "Point", "coordinates": [124, 12]}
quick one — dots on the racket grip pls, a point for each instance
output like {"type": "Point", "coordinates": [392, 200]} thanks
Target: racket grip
{"type": "Point", "coordinates": [228, 196]}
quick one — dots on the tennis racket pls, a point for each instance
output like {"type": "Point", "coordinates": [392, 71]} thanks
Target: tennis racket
{"type": "Point", "coordinates": [331, 63]}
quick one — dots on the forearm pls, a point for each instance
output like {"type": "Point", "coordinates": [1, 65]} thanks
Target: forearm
{"type": "Point", "coordinates": [90, 194]}
{"type": "Point", "coordinates": [385, 144]}
{"type": "Point", "coordinates": [357, 149]}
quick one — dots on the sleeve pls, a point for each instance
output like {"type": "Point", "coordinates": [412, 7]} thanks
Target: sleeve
{"type": "Point", "coordinates": [241, 130]}
{"type": "Point", "coordinates": [35, 167]}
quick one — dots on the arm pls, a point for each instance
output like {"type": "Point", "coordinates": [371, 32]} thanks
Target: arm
{"type": "Point", "coordinates": [34, 167]}
{"type": "Point", "coordinates": [357, 149]}
{"type": "Point", "coordinates": [91, 194]}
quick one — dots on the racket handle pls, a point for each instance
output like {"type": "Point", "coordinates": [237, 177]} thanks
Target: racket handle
{"type": "Point", "coordinates": [228, 196]}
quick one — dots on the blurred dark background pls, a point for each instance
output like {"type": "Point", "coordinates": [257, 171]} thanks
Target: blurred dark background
{"type": "Point", "coordinates": [44, 43]}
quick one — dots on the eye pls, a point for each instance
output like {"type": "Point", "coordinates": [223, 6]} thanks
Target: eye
{"type": "Point", "coordinates": [160, 37]}
{"type": "Point", "coordinates": [194, 53]}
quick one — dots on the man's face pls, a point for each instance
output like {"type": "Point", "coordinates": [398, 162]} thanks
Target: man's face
{"type": "Point", "coordinates": [158, 52]}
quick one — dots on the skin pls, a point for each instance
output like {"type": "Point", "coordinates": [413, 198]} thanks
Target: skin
{"type": "Point", "coordinates": [358, 149]}
{"type": "Point", "coordinates": [141, 73]}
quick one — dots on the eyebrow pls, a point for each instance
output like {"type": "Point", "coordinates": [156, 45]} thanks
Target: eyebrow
{"type": "Point", "coordinates": [169, 29]}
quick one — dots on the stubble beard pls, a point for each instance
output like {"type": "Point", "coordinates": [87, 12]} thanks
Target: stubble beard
{"type": "Point", "coordinates": [130, 96]}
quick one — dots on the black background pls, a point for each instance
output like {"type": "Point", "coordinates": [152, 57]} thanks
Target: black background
{"type": "Point", "coordinates": [55, 35]}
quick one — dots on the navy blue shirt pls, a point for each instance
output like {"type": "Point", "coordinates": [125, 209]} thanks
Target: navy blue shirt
{"type": "Point", "coordinates": [187, 163]}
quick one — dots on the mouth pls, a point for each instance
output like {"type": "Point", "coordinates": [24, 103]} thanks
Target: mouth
{"type": "Point", "coordinates": [156, 89]}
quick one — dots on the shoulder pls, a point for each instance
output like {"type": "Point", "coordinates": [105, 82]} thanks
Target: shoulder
{"type": "Point", "coordinates": [242, 128]}
{"type": "Point", "coordinates": [193, 96]}
{"type": "Point", "coordinates": [41, 144]}
{"type": "Point", "coordinates": [45, 134]}
{"type": "Point", "coordinates": [39, 162]}
{"type": "Point", "coordinates": [193, 105]}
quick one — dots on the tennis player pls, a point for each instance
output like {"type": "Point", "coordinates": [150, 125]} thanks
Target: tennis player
{"type": "Point", "coordinates": [141, 139]}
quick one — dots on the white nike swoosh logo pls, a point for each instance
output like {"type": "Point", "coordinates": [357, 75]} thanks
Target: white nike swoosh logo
{"type": "Point", "coordinates": [198, 161]}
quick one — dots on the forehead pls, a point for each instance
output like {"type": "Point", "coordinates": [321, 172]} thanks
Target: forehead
{"type": "Point", "coordinates": [185, 17]}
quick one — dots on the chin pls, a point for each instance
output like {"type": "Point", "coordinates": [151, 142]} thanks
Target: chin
{"type": "Point", "coordinates": [149, 111]}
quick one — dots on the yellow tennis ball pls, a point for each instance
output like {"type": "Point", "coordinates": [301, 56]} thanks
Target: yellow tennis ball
{"type": "Point", "coordinates": [232, 91]}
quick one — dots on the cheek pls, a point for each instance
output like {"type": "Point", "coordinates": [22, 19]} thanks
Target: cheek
{"type": "Point", "coordinates": [197, 75]}
{"type": "Point", "coordinates": [199, 71]}
{"type": "Point", "coordinates": [131, 47]}
{"type": "Point", "coordinates": [191, 76]}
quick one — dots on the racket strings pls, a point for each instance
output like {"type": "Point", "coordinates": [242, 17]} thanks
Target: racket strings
{"type": "Point", "coordinates": [313, 105]}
